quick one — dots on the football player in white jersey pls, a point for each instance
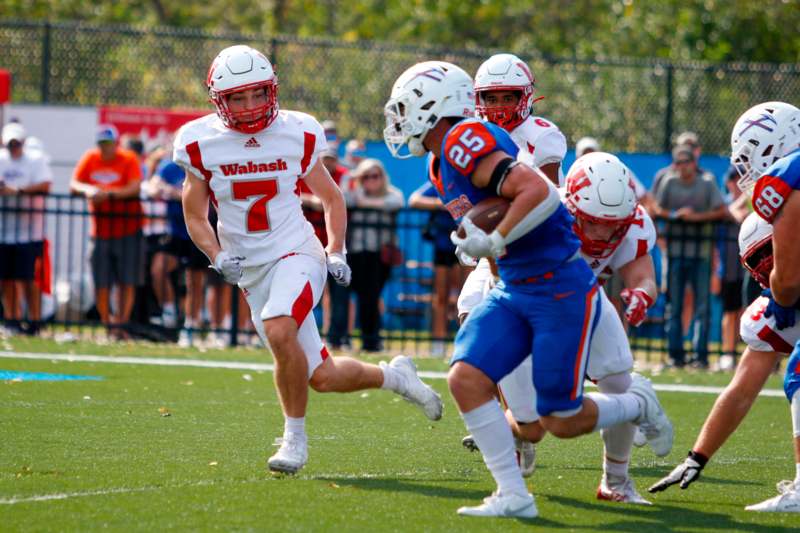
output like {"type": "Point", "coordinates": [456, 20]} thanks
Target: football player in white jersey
{"type": "Point", "coordinates": [766, 346]}
{"type": "Point", "coordinates": [247, 159]}
{"type": "Point", "coordinates": [504, 95]}
{"type": "Point", "coordinates": [616, 234]}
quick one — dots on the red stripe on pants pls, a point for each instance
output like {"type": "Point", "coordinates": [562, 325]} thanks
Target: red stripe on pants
{"type": "Point", "coordinates": [302, 305]}
{"type": "Point", "coordinates": [587, 326]}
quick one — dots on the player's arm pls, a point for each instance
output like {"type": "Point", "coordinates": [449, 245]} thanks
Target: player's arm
{"type": "Point", "coordinates": [427, 203]}
{"type": "Point", "coordinates": [640, 291]}
{"type": "Point", "coordinates": [195, 211]}
{"type": "Point", "coordinates": [533, 199]}
{"type": "Point", "coordinates": [324, 188]}
{"type": "Point", "coordinates": [785, 276]}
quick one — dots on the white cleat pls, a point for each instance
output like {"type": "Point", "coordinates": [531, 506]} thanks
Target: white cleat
{"type": "Point", "coordinates": [787, 500]}
{"type": "Point", "coordinates": [622, 492]}
{"type": "Point", "coordinates": [653, 422]}
{"type": "Point", "coordinates": [506, 505]}
{"type": "Point", "coordinates": [526, 456]}
{"type": "Point", "coordinates": [414, 389]}
{"type": "Point", "coordinates": [291, 456]}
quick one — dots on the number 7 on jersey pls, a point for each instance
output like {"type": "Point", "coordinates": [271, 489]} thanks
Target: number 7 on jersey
{"type": "Point", "coordinates": [264, 191]}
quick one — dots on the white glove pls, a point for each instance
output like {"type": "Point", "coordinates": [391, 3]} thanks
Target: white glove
{"type": "Point", "coordinates": [228, 267]}
{"type": "Point", "coordinates": [339, 269]}
{"type": "Point", "coordinates": [685, 473]}
{"type": "Point", "coordinates": [477, 243]}
{"type": "Point", "coordinates": [464, 259]}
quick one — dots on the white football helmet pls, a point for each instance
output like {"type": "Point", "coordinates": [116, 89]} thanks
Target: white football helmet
{"type": "Point", "coordinates": [238, 68]}
{"type": "Point", "coordinates": [421, 96]}
{"type": "Point", "coordinates": [504, 72]}
{"type": "Point", "coordinates": [600, 191]}
{"type": "Point", "coordinates": [755, 247]}
{"type": "Point", "coordinates": [762, 135]}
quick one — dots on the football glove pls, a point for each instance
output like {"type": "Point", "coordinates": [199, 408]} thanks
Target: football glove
{"type": "Point", "coordinates": [685, 473]}
{"type": "Point", "coordinates": [339, 269]}
{"type": "Point", "coordinates": [638, 301]}
{"type": "Point", "coordinates": [784, 316]}
{"type": "Point", "coordinates": [477, 243]}
{"type": "Point", "coordinates": [464, 259]}
{"type": "Point", "coordinates": [229, 267]}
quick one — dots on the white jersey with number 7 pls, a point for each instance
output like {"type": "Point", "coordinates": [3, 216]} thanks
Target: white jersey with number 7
{"type": "Point", "coordinates": [253, 180]}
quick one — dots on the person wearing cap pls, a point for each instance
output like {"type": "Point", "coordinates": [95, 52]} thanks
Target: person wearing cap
{"type": "Point", "coordinates": [25, 178]}
{"type": "Point", "coordinates": [691, 202]}
{"type": "Point", "coordinates": [687, 139]}
{"type": "Point", "coordinates": [586, 145]}
{"type": "Point", "coordinates": [109, 177]}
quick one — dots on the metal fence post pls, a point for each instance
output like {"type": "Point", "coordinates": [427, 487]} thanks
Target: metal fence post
{"type": "Point", "coordinates": [668, 114]}
{"type": "Point", "coordinates": [273, 51]}
{"type": "Point", "coordinates": [45, 88]}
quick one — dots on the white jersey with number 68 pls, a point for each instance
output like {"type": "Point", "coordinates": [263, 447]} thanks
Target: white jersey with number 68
{"type": "Point", "coordinates": [253, 180]}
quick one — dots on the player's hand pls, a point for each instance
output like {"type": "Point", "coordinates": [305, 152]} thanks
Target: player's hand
{"type": "Point", "coordinates": [339, 269]}
{"type": "Point", "coordinates": [685, 473]}
{"type": "Point", "coordinates": [476, 242]}
{"type": "Point", "coordinates": [228, 267]}
{"type": "Point", "coordinates": [464, 259]}
{"type": "Point", "coordinates": [784, 316]}
{"type": "Point", "coordinates": [637, 301]}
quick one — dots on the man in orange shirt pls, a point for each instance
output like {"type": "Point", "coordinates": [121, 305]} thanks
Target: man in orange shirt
{"type": "Point", "coordinates": [109, 177]}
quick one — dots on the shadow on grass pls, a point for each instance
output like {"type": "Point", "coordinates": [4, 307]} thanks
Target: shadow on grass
{"type": "Point", "coordinates": [657, 518]}
{"type": "Point", "coordinates": [410, 485]}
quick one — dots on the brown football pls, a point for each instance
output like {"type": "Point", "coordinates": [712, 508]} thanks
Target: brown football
{"type": "Point", "coordinates": [486, 214]}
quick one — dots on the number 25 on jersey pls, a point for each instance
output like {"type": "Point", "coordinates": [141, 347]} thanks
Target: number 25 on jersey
{"type": "Point", "coordinates": [463, 148]}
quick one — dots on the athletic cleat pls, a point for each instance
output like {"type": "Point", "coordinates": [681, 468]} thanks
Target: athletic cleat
{"type": "Point", "coordinates": [510, 505]}
{"type": "Point", "coordinates": [787, 500]}
{"type": "Point", "coordinates": [414, 389]}
{"type": "Point", "coordinates": [624, 492]}
{"type": "Point", "coordinates": [469, 443]}
{"type": "Point", "coordinates": [526, 456]}
{"type": "Point", "coordinates": [291, 456]}
{"type": "Point", "coordinates": [653, 422]}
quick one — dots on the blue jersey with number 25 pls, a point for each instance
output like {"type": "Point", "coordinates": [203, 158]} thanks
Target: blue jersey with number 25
{"type": "Point", "coordinates": [773, 188]}
{"type": "Point", "coordinates": [538, 252]}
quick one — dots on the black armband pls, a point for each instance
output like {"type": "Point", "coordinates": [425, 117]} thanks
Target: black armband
{"type": "Point", "coordinates": [499, 174]}
{"type": "Point", "coordinates": [699, 458]}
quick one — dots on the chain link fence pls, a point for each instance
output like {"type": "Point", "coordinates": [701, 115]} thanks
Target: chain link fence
{"type": "Point", "coordinates": [632, 105]}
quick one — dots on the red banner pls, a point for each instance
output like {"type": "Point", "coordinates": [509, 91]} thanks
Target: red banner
{"type": "Point", "coordinates": [146, 121]}
{"type": "Point", "coordinates": [5, 86]}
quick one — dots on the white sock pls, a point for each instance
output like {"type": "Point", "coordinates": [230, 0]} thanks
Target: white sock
{"type": "Point", "coordinates": [617, 470]}
{"type": "Point", "coordinates": [618, 439]}
{"type": "Point", "coordinates": [797, 474]}
{"type": "Point", "coordinates": [188, 323]}
{"type": "Point", "coordinates": [168, 308]}
{"type": "Point", "coordinates": [296, 426]}
{"type": "Point", "coordinates": [794, 407]}
{"type": "Point", "coordinates": [488, 426]}
{"type": "Point", "coordinates": [391, 378]}
{"type": "Point", "coordinates": [613, 409]}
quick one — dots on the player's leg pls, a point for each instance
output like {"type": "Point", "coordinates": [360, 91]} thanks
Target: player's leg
{"type": "Point", "coordinates": [610, 364]}
{"type": "Point", "coordinates": [491, 343]}
{"type": "Point", "coordinates": [563, 329]}
{"type": "Point", "coordinates": [519, 398]}
{"type": "Point", "coordinates": [788, 499]}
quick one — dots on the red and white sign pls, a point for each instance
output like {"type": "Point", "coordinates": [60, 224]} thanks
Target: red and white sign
{"type": "Point", "coordinates": [146, 121]}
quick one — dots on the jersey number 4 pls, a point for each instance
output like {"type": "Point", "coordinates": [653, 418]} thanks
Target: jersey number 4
{"type": "Point", "coordinates": [264, 191]}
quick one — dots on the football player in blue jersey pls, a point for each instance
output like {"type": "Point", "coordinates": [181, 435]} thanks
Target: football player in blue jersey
{"type": "Point", "coordinates": [546, 302]}
{"type": "Point", "coordinates": [765, 149]}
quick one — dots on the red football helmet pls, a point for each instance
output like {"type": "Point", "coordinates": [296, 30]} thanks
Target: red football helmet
{"type": "Point", "coordinates": [504, 72]}
{"type": "Point", "coordinates": [755, 248]}
{"type": "Point", "coordinates": [238, 68]}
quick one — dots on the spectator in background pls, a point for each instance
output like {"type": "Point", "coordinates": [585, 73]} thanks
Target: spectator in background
{"type": "Point", "coordinates": [730, 274]}
{"type": "Point", "coordinates": [355, 151]}
{"type": "Point", "coordinates": [687, 139]}
{"type": "Point", "coordinates": [586, 145]}
{"type": "Point", "coordinates": [24, 178]}
{"type": "Point", "coordinates": [335, 298]}
{"type": "Point", "coordinates": [331, 135]}
{"type": "Point", "coordinates": [691, 201]}
{"type": "Point", "coordinates": [449, 275]}
{"type": "Point", "coordinates": [110, 179]}
{"type": "Point", "coordinates": [372, 243]}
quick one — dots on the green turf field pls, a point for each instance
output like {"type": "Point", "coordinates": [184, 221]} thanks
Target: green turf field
{"type": "Point", "coordinates": [91, 455]}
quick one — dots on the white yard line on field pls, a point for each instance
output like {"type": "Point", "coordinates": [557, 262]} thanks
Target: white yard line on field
{"type": "Point", "coordinates": [238, 365]}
